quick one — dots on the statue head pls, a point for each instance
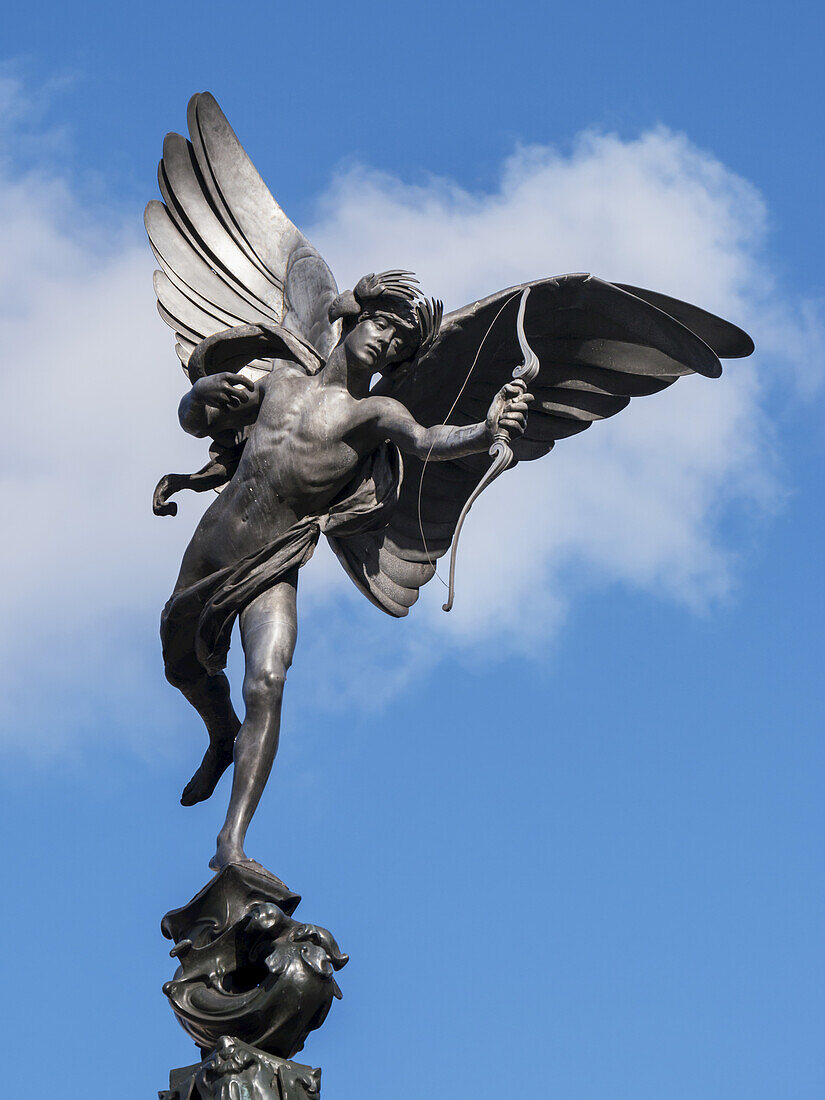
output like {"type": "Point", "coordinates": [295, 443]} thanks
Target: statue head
{"type": "Point", "coordinates": [386, 321]}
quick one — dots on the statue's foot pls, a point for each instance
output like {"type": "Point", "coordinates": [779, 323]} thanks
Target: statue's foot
{"type": "Point", "coordinates": [229, 851]}
{"type": "Point", "coordinates": [216, 760]}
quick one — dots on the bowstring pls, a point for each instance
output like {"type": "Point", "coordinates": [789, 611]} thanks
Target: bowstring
{"type": "Point", "coordinates": [464, 384]}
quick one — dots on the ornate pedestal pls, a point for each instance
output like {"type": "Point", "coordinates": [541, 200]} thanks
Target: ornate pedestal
{"type": "Point", "coordinates": [237, 1071]}
{"type": "Point", "coordinates": [250, 986]}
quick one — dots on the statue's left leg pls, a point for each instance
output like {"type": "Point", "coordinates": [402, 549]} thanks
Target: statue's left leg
{"type": "Point", "coordinates": [210, 697]}
{"type": "Point", "coordinates": [269, 629]}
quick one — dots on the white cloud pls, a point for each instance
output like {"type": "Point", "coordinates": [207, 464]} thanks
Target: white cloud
{"type": "Point", "coordinates": [91, 388]}
{"type": "Point", "coordinates": [654, 209]}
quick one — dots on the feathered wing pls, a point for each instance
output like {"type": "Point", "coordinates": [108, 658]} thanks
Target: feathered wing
{"type": "Point", "coordinates": [228, 254]}
{"type": "Point", "coordinates": [599, 345]}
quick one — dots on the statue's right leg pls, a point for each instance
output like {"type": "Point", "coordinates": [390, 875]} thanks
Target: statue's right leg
{"type": "Point", "coordinates": [269, 629]}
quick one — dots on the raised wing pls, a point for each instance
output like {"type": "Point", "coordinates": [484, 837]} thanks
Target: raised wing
{"type": "Point", "coordinates": [599, 345]}
{"type": "Point", "coordinates": [228, 254]}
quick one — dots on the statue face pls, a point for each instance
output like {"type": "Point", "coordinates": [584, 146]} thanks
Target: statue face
{"type": "Point", "coordinates": [375, 342]}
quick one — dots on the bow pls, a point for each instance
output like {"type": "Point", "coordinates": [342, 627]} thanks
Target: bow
{"type": "Point", "coordinates": [500, 451]}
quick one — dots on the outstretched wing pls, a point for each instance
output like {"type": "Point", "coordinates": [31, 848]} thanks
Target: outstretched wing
{"type": "Point", "coordinates": [228, 254]}
{"type": "Point", "coordinates": [599, 345]}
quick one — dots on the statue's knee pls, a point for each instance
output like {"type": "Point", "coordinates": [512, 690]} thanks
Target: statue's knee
{"type": "Point", "coordinates": [180, 676]}
{"type": "Point", "coordinates": [264, 686]}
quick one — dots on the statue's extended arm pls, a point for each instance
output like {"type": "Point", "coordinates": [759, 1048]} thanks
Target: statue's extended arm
{"type": "Point", "coordinates": [219, 403]}
{"type": "Point", "coordinates": [445, 441]}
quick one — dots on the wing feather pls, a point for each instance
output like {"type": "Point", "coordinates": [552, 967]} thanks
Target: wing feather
{"type": "Point", "coordinates": [579, 403]}
{"type": "Point", "coordinates": [183, 350]}
{"type": "Point", "coordinates": [727, 340]}
{"type": "Point", "coordinates": [259, 221]}
{"type": "Point", "coordinates": [224, 146]}
{"type": "Point", "coordinates": [218, 308]}
{"type": "Point", "coordinates": [411, 549]}
{"type": "Point", "coordinates": [528, 450]}
{"type": "Point", "coordinates": [409, 574]}
{"type": "Point", "coordinates": [547, 427]}
{"type": "Point", "coordinates": [185, 335]}
{"type": "Point", "coordinates": [179, 259]}
{"type": "Point", "coordinates": [184, 192]}
{"type": "Point", "coordinates": [184, 310]}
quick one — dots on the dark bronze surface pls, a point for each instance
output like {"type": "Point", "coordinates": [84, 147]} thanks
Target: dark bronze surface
{"type": "Point", "coordinates": [246, 968]}
{"type": "Point", "coordinates": [237, 1071]}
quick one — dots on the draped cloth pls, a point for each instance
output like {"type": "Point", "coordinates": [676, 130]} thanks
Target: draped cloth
{"type": "Point", "coordinates": [196, 624]}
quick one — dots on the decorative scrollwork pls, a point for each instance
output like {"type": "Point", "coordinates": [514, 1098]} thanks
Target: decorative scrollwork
{"type": "Point", "coordinates": [247, 969]}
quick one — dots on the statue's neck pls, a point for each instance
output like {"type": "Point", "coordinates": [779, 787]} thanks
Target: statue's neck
{"type": "Point", "coordinates": [338, 372]}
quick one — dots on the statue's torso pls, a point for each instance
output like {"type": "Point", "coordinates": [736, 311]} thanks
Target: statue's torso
{"type": "Point", "coordinates": [303, 448]}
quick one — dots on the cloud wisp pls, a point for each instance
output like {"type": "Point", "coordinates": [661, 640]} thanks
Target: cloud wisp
{"type": "Point", "coordinates": [641, 500]}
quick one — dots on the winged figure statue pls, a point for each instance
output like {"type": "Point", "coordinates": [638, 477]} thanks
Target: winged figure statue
{"type": "Point", "coordinates": [364, 415]}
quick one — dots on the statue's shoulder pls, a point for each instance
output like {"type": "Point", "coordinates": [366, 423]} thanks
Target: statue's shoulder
{"type": "Point", "coordinates": [285, 370]}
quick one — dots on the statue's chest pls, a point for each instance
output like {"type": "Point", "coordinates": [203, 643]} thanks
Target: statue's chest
{"type": "Point", "coordinates": [305, 429]}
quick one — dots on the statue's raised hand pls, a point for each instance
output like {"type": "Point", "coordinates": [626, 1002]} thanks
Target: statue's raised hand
{"type": "Point", "coordinates": [221, 391]}
{"type": "Point", "coordinates": [508, 411]}
{"type": "Point", "coordinates": [401, 284]}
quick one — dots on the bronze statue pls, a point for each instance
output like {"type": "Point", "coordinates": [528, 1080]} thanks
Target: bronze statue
{"type": "Point", "coordinates": [367, 416]}
{"type": "Point", "coordinates": [306, 440]}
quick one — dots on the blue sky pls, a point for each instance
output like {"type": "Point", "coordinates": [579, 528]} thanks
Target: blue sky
{"type": "Point", "coordinates": [571, 836]}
